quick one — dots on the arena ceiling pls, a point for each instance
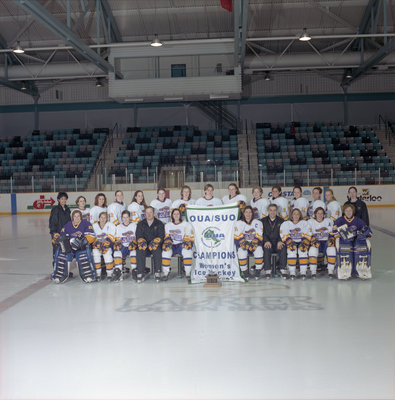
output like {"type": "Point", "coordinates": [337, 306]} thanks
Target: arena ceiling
{"type": "Point", "coordinates": [352, 36]}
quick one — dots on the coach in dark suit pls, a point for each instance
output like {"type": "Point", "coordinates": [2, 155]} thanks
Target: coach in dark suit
{"type": "Point", "coordinates": [272, 241]}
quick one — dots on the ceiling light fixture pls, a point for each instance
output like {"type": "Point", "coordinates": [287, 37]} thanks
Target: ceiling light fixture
{"type": "Point", "coordinates": [99, 82]}
{"type": "Point", "coordinates": [348, 73]}
{"type": "Point", "coordinates": [23, 87]}
{"type": "Point", "coordinates": [156, 42]}
{"type": "Point", "coordinates": [18, 49]}
{"type": "Point", "coordinates": [267, 77]}
{"type": "Point", "coordinates": [305, 36]}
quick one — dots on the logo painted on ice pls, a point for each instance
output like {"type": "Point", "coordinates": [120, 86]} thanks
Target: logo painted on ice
{"type": "Point", "coordinates": [212, 237]}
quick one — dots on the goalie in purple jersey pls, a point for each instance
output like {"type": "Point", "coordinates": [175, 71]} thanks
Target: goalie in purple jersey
{"type": "Point", "coordinates": [74, 241]}
{"type": "Point", "coordinates": [352, 245]}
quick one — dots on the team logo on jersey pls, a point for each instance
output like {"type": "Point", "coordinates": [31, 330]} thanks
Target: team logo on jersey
{"type": "Point", "coordinates": [164, 212]}
{"type": "Point", "coordinates": [175, 234]}
{"type": "Point", "coordinates": [212, 237]}
{"type": "Point", "coordinates": [250, 234]}
{"type": "Point", "coordinates": [321, 233]}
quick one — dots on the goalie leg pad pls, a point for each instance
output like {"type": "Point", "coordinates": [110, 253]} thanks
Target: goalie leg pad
{"type": "Point", "coordinates": [85, 266]}
{"type": "Point", "coordinates": [362, 258]}
{"type": "Point", "coordinates": [61, 267]}
{"type": "Point", "coordinates": [344, 260]}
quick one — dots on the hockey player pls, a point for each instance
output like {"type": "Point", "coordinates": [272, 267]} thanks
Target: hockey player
{"type": "Point", "coordinates": [248, 239]}
{"type": "Point", "coordinates": [103, 246]}
{"type": "Point", "coordinates": [316, 202]}
{"type": "Point", "coordinates": [115, 209]}
{"type": "Point", "coordinates": [125, 245]}
{"type": "Point", "coordinates": [178, 240]}
{"type": "Point", "coordinates": [59, 217]}
{"type": "Point", "coordinates": [81, 204]}
{"type": "Point", "coordinates": [333, 207]}
{"type": "Point", "coordinates": [99, 207]}
{"type": "Point", "coordinates": [352, 245]}
{"type": "Point", "coordinates": [235, 196]}
{"type": "Point", "coordinates": [184, 201]}
{"type": "Point", "coordinates": [322, 242]}
{"type": "Point", "coordinates": [272, 241]}
{"type": "Point", "coordinates": [296, 234]}
{"type": "Point", "coordinates": [137, 207]}
{"type": "Point", "coordinates": [258, 204]}
{"type": "Point", "coordinates": [74, 241]}
{"type": "Point", "coordinates": [299, 202]}
{"type": "Point", "coordinates": [281, 202]}
{"type": "Point", "coordinates": [162, 206]}
{"type": "Point", "coordinates": [361, 211]}
{"type": "Point", "coordinates": [208, 200]}
{"type": "Point", "coordinates": [149, 234]}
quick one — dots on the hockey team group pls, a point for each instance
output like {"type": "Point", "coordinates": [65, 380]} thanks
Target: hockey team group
{"type": "Point", "coordinates": [300, 234]}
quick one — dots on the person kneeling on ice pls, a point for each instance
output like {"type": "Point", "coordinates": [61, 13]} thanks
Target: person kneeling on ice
{"type": "Point", "coordinates": [74, 241]}
{"type": "Point", "coordinates": [295, 233]}
{"type": "Point", "coordinates": [125, 245]}
{"type": "Point", "coordinates": [149, 234]}
{"type": "Point", "coordinates": [352, 245]}
{"type": "Point", "coordinates": [322, 242]}
{"type": "Point", "coordinates": [103, 247]}
{"type": "Point", "coordinates": [248, 238]}
{"type": "Point", "coordinates": [178, 240]}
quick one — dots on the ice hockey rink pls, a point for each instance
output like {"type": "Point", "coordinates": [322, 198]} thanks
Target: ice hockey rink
{"type": "Point", "coordinates": [259, 340]}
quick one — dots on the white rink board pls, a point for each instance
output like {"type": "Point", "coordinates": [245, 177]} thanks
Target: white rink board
{"type": "Point", "coordinates": [372, 195]}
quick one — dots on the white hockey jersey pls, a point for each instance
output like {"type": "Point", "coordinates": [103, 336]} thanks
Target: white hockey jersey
{"type": "Point", "coordinates": [260, 208]}
{"type": "Point", "coordinates": [282, 207]}
{"type": "Point", "coordinates": [301, 204]}
{"type": "Point", "coordinates": [95, 211]}
{"type": "Point", "coordinates": [215, 201]}
{"type": "Point", "coordinates": [313, 205]}
{"type": "Point", "coordinates": [108, 231]}
{"type": "Point", "coordinates": [249, 231]}
{"type": "Point", "coordinates": [333, 210]}
{"type": "Point", "coordinates": [179, 232]}
{"type": "Point", "coordinates": [114, 212]}
{"type": "Point", "coordinates": [162, 209]}
{"type": "Point", "coordinates": [137, 212]}
{"type": "Point", "coordinates": [321, 230]}
{"type": "Point", "coordinates": [236, 199]}
{"type": "Point", "coordinates": [125, 233]}
{"type": "Point", "coordinates": [295, 231]}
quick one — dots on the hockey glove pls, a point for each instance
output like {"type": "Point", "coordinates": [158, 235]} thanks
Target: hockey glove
{"type": "Point", "coordinates": [291, 245]}
{"type": "Point", "coordinates": [142, 244]}
{"type": "Point", "coordinates": [331, 241]}
{"type": "Point", "coordinates": [242, 205]}
{"type": "Point", "coordinates": [243, 244]}
{"type": "Point", "coordinates": [304, 244]}
{"type": "Point", "coordinates": [154, 244]}
{"type": "Point", "coordinates": [253, 245]}
{"type": "Point", "coordinates": [187, 245]}
{"type": "Point", "coordinates": [364, 233]}
{"type": "Point", "coordinates": [167, 243]}
{"type": "Point", "coordinates": [96, 245]}
{"type": "Point", "coordinates": [117, 246]}
{"type": "Point", "coordinates": [55, 238]}
{"type": "Point", "coordinates": [314, 242]}
{"type": "Point", "coordinates": [132, 245]}
{"type": "Point", "coordinates": [182, 207]}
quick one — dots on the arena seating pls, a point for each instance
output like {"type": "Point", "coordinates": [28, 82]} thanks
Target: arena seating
{"type": "Point", "coordinates": [326, 151]}
{"type": "Point", "coordinates": [199, 151]}
{"type": "Point", "coordinates": [63, 153]}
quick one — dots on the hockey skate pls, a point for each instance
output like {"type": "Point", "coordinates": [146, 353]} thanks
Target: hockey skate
{"type": "Point", "coordinates": [117, 275]}
{"type": "Point", "coordinates": [257, 274]}
{"type": "Point", "coordinates": [157, 277]}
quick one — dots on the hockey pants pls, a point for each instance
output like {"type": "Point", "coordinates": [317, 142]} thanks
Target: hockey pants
{"type": "Point", "coordinates": [156, 258]}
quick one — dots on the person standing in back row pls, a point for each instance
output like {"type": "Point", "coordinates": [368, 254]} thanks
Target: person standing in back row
{"type": "Point", "coordinates": [361, 210]}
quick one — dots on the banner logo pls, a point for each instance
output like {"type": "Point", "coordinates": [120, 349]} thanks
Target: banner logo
{"type": "Point", "coordinates": [42, 203]}
{"type": "Point", "coordinates": [212, 237]}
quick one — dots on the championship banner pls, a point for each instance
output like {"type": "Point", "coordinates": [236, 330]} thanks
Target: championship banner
{"type": "Point", "coordinates": [215, 250]}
